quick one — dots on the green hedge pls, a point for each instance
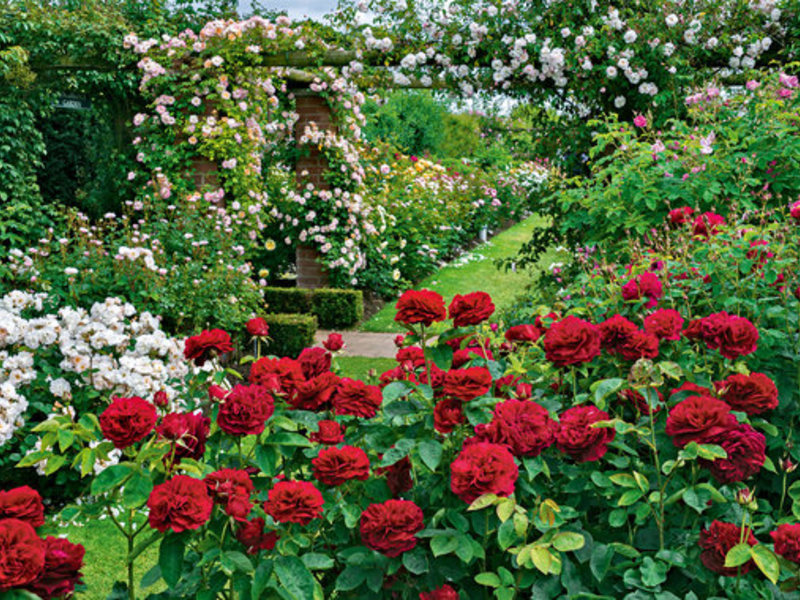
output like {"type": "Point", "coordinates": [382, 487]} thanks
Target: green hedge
{"type": "Point", "coordinates": [290, 333]}
{"type": "Point", "coordinates": [333, 308]}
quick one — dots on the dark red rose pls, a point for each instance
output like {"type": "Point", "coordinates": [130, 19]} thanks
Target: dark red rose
{"type": "Point", "coordinates": [188, 432]}
{"type": "Point", "coordinates": [707, 224]}
{"type": "Point", "coordinates": [181, 503]}
{"type": "Point", "coordinates": [245, 411]}
{"type": "Point", "coordinates": [280, 375]}
{"type": "Point", "coordinates": [314, 394]}
{"type": "Point", "coordinates": [759, 251]}
{"type": "Point", "coordinates": [504, 386]}
{"type": "Point", "coordinates": [523, 333]}
{"type": "Point", "coordinates": [329, 433]}
{"type": "Point", "coordinates": [62, 569]}
{"type": "Point", "coordinates": [523, 426]}
{"type": "Point", "coordinates": [794, 211]}
{"type": "Point", "coordinates": [697, 418]}
{"type": "Point", "coordinates": [294, 502]}
{"type": "Point", "coordinates": [665, 324]}
{"type": "Point", "coordinates": [257, 327]}
{"type": "Point", "coordinates": [443, 593]}
{"type": "Point", "coordinates": [467, 384]}
{"type": "Point", "coordinates": [356, 398]}
{"type": "Point", "coordinates": [471, 309]}
{"type": "Point", "coordinates": [640, 402]}
{"type": "Point", "coordinates": [437, 377]}
{"type": "Point", "coordinates": [787, 537]}
{"type": "Point", "coordinates": [396, 374]}
{"type": "Point", "coordinates": [614, 333]}
{"type": "Point", "coordinates": [464, 355]}
{"type": "Point", "coordinates": [738, 338]}
{"type": "Point", "coordinates": [679, 216]}
{"type": "Point", "coordinates": [22, 554]}
{"type": "Point", "coordinates": [23, 503]}
{"type": "Point", "coordinates": [398, 476]}
{"type": "Point", "coordinates": [391, 527]}
{"type": "Point", "coordinates": [693, 389]}
{"type": "Point", "coordinates": [335, 466]}
{"type": "Point", "coordinates": [571, 341]}
{"type": "Point", "coordinates": [717, 540]}
{"type": "Point", "coordinates": [746, 454]}
{"type": "Point", "coordinates": [253, 537]}
{"type": "Point", "coordinates": [447, 415]}
{"type": "Point", "coordinates": [334, 342]}
{"type": "Point", "coordinates": [483, 468]}
{"type": "Point", "coordinates": [160, 399]}
{"type": "Point", "coordinates": [524, 391]}
{"type": "Point", "coordinates": [399, 340]}
{"type": "Point", "coordinates": [420, 306]}
{"type": "Point", "coordinates": [646, 285]}
{"type": "Point", "coordinates": [576, 436]}
{"type": "Point", "coordinates": [411, 355]}
{"type": "Point", "coordinates": [753, 394]}
{"type": "Point", "coordinates": [708, 329]}
{"type": "Point", "coordinates": [127, 421]}
{"type": "Point", "coordinates": [216, 392]}
{"type": "Point", "coordinates": [231, 488]}
{"type": "Point", "coordinates": [208, 344]}
{"type": "Point", "coordinates": [314, 362]}
{"type": "Point", "coordinates": [639, 345]}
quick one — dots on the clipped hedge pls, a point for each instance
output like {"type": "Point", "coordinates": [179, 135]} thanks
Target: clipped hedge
{"type": "Point", "coordinates": [290, 333]}
{"type": "Point", "coordinates": [334, 308]}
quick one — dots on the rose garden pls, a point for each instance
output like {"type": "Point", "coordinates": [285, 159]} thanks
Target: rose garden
{"type": "Point", "coordinates": [574, 228]}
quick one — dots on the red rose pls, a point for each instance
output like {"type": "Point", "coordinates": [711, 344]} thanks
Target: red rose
{"type": "Point", "coordinates": [753, 394]}
{"type": "Point", "coordinates": [523, 333]}
{"type": "Point", "coordinates": [334, 342]}
{"type": "Point", "coordinates": [294, 502]}
{"type": "Point", "coordinates": [314, 361]}
{"type": "Point", "coordinates": [697, 418]}
{"type": "Point", "coordinates": [679, 216]}
{"type": "Point", "coordinates": [396, 374]}
{"type": "Point", "coordinates": [614, 333]}
{"type": "Point", "coordinates": [471, 309]}
{"type": "Point", "coordinates": [483, 468]}
{"type": "Point", "coordinates": [420, 306]}
{"type": "Point", "coordinates": [245, 410]}
{"type": "Point", "coordinates": [329, 433]}
{"type": "Point", "coordinates": [571, 341]}
{"type": "Point", "coordinates": [443, 593]}
{"type": "Point", "coordinates": [208, 344]}
{"type": "Point", "coordinates": [391, 527]}
{"type": "Point", "coordinates": [412, 355]}
{"type": "Point", "coordinates": [464, 355]}
{"type": "Point", "coordinates": [746, 453]}
{"type": "Point", "coordinates": [758, 254]}
{"type": "Point", "coordinates": [639, 345]}
{"type": "Point", "coordinates": [717, 540]}
{"type": "Point", "coordinates": [62, 568]}
{"type": "Point", "coordinates": [523, 426]}
{"type": "Point", "coordinates": [665, 324]}
{"type": "Point", "coordinates": [253, 537]}
{"type": "Point", "coordinates": [467, 384]}
{"type": "Point", "coordinates": [280, 375]}
{"type": "Point", "coordinates": [398, 476]}
{"type": "Point", "coordinates": [693, 389]}
{"type": "Point", "coordinates": [646, 285]}
{"type": "Point", "coordinates": [231, 488]}
{"type": "Point", "coordinates": [314, 394]}
{"type": "Point", "coordinates": [738, 338]}
{"type": "Point", "coordinates": [257, 327]}
{"type": "Point", "coordinates": [181, 503]}
{"type": "Point", "coordinates": [787, 537]}
{"type": "Point", "coordinates": [437, 377]}
{"type": "Point", "coordinates": [188, 433]}
{"type": "Point", "coordinates": [707, 224]}
{"type": "Point", "coordinates": [23, 503]}
{"type": "Point", "coordinates": [160, 399]}
{"type": "Point", "coordinates": [708, 329]}
{"type": "Point", "coordinates": [216, 392]}
{"type": "Point", "coordinates": [399, 340]}
{"type": "Point", "coordinates": [356, 398]}
{"type": "Point", "coordinates": [335, 466]}
{"type": "Point", "coordinates": [22, 554]}
{"type": "Point", "coordinates": [576, 436]}
{"type": "Point", "coordinates": [447, 415]}
{"type": "Point", "coordinates": [127, 420]}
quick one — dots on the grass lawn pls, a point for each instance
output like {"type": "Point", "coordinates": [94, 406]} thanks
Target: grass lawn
{"type": "Point", "coordinates": [358, 367]}
{"type": "Point", "coordinates": [472, 272]}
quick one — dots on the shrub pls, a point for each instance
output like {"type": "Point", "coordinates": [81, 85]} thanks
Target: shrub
{"type": "Point", "coordinates": [287, 300]}
{"type": "Point", "coordinates": [337, 309]}
{"type": "Point", "coordinates": [290, 333]}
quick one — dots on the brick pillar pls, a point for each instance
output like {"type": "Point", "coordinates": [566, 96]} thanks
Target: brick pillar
{"type": "Point", "coordinates": [204, 172]}
{"type": "Point", "coordinates": [311, 165]}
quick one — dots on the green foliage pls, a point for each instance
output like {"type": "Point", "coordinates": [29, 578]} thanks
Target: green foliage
{"type": "Point", "coordinates": [290, 333]}
{"type": "Point", "coordinates": [461, 137]}
{"type": "Point", "coordinates": [414, 122]}
{"type": "Point", "coordinates": [288, 300]}
{"type": "Point", "coordinates": [337, 309]}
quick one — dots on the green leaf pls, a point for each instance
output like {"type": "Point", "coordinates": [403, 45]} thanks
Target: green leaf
{"type": "Point", "coordinates": [443, 544]}
{"type": "Point", "coordinates": [170, 558]}
{"type": "Point", "coordinates": [351, 578]}
{"type": "Point", "coordinates": [111, 477]}
{"type": "Point", "coordinates": [415, 561]}
{"type": "Point", "coordinates": [261, 578]}
{"type": "Point", "coordinates": [488, 579]}
{"type": "Point", "coordinates": [395, 390]}
{"type": "Point", "coordinates": [600, 561]}
{"type": "Point", "coordinates": [629, 497]}
{"type": "Point", "coordinates": [286, 438]}
{"type": "Point", "coordinates": [506, 535]}
{"type": "Point", "coordinates": [738, 555]}
{"type": "Point", "coordinates": [483, 501]}
{"type": "Point", "coordinates": [505, 508]}
{"type": "Point", "coordinates": [567, 541]}
{"type": "Point", "coordinates": [296, 579]}
{"type": "Point", "coordinates": [65, 439]}
{"type": "Point", "coordinates": [442, 356]}
{"type": "Point", "coordinates": [137, 489]}
{"type": "Point", "coordinates": [766, 561]}
{"type": "Point", "coordinates": [233, 561]}
{"type": "Point", "coordinates": [430, 451]}
{"type": "Point", "coordinates": [317, 562]}
{"type": "Point", "coordinates": [604, 388]}
{"type": "Point", "coordinates": [654, 573]}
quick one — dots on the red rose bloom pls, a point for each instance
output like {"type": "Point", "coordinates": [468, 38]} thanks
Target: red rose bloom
{"type": "Point", "coordinates": [231, 488]}
{"type": "Point", "coordinates": [252, 536]}
{"type": "Point", "coordinates": [697, 418]}
{"type": "Point", "coordinates": [391, 527]}
{"type": "Point", "coordinates": [523, 333]}
{"type": "Point", "coordinates": [437, 377]}
{"type": "Point", "coordinates": [314, 362]}
{"type": "Point", "coordinates": [181, 503]}
{"type": "Point", "coordinates": [447, 415]}
{"type": "Point", "coordinates": [708, 329]}
{"type": "Point", "coordinates": [294, 502]}
{"type": "Point", "coordinates": [483, 468]}
{"type": "Point", "coordinates": [22, 554]}
{"type": "Point", "coordinates": [420, 306]}
{"type": "Point", "coordinates": [62, 568]}
{"type": "Point", "coordinates": [571, 341]}
{"type": "Point", "coordinates": [314, 394]}
{"type": "Point", "coordinates": [443, 593]}
{"type": "Point", "coordinates": [467, 384]}
{"type": "Point", "coordinates": [188, 433]}
{"type": "Point", "coordinates": [280, 375]}
{"type": "Point", "coordinates": [335, 466]}
{"type": "Point", "coordinates": [23, 503]}
{"type": "Point", "coordinates": [257, 327]}
{"type": "Point", "coordinates": [412, 356]}
{"type": "Point", "coordinates": [471, 309]}
{"type": "Point", "coordinates": [245, 411]}
{"type": "Point", "coordinates": [707, 224]}
{"type": "Point", "coordinates": [753, 394]}
{"type": "Point", "coordinates": [787, 537]}
{"type": "Point", "coordinates": [665, 324]}
{"type": "Point", "coordinates": [739, 337]}
{"type": "Point", "coordinates": [639, 345]}
{"type": "Point", "coordinates": [614, 333]}
{"type": "Point", "coordinates": [576, 436]}
{"type": "Point", "coordinates": [356, 398]}
{"type": "Point", "coordinates": [640, 402]}
{"type": "Point", "coordinates": [679, 216]}
{"type": "Point", "coordinates": [329, 433]}
{"type": "Point", "coordinates": [717, 540]}
{"type": "Point", "coordinates": [523, 426]}
{"type": "Point", "coordinates": [208, 344]}
{"type": "Point", "coordinates": [334, 342]}
{"type": "Point", "coordinates": [398, 476]}
{"type": "Point", "coordinates": [746, 449]}
{"type": "Point", "coordinates": [646, 285]}
{"type": "Point", "coordinates": [216, 392]}
{"type": "Point", "coordinates": [127, 421]}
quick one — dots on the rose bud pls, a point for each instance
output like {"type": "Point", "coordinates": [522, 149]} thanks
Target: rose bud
{"type": "Point", "coordinates": [257, 327]}
{"type": "Point", "coordinates": [334, 342]}
{"type": "Point", "coordinates": [160, 399]}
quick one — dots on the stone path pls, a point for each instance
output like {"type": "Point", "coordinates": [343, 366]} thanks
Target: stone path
{"type": "Point", "coordinates": [360, 343]}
